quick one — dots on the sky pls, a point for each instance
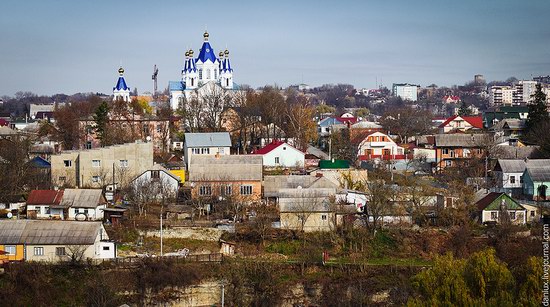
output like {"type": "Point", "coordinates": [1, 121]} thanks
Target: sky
{"type": "Point", "coordinates": [50, 47]}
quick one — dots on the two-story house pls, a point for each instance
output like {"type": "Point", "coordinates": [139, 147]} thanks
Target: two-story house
{"type": "Point", "coordinates": [380, 146]}
{"type": "Point", "coordinates": [206, 144]}
{"type": "Point", "coordinates": [461, 123]}
{"type": "Point", "coordinates": [456, 149]}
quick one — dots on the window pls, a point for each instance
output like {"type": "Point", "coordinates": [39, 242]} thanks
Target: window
{"type": "Point", "coordinates": [445, 151]}
{"type": "Point", "coordinates": [448, 163]}
{"type": "Point", "coordinates": [200, 74]}
{"type": "Point", "coordinates": [10, 249]}
{"type": "Point", "coordinates": [205, 151]}
{"type": "Point", "coordinates": [246, 190]}
{"type": "Point", "coordinates": [195, 151]}
{"type": "Point", "coordinates": [205, 190]}
{"type": "Point", "coordinates": [277, 160]}
{"type": "Point", "coordinates": [284, 147]}
{"type": "Point", "coordinates": [96, 163]}
{"type": "Point", "coordinates": [512, 179]}
{"type": "Point", "coordinates": [123, 163]}
{"type": "Point", "coordinates": [39, 251]}
{"type": "Point", "coordinates": [159, 128]}
{"type": "Point", "coordinates": [89, 145]}
{"type": "Point", "coordinates": [226, 190]}
{"type": "Point", "coordinates": [106, 248]}
{"type": "Point", "coordinates": [533, 213]}
{"type": "Point", "coordinates": [512, 215]}
{"type": "Point", "coordinates": [494, 215]}
{"type": "Point", "coordinates": [62, 178]}
{"type": "Point", "coordinates": [521, 179]}
{"type": "Point", "coordinates": [95, 179]}
{"type": "Point", "coordinates": [145, 129]}
{"type": "Point", "coordinates": [155, 174]}
{"type": "Point", "coordinates": [208, 74]}
{"type": "Point", "coordinates": [60, 251]}
{"type": "Point", "coordinates": [323, 217]}
{"type": "Point", "coordinates": [47, 210]}
{"type": "Point", "coordinates": [221, 150]}
{"type": "Point", "coordinates": [67, 163]}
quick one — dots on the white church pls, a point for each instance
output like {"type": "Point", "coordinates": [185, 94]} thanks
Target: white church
{"type": "Point", "coordinates": [121, 90]}
{"type": "Point", "coordinates": [203, 73]}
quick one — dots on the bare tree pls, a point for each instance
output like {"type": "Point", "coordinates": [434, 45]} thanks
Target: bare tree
{"type": "Point", "coordinates": [76, 252]}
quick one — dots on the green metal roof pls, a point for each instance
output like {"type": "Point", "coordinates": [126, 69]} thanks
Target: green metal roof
{"type": "Point", "coordinates": [333, 164]}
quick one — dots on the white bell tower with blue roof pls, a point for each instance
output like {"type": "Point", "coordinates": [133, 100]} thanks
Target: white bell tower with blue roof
{"type": "Point", "coordinates": [121, 90]}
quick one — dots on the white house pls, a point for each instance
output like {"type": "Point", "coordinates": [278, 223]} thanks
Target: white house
{"type": "Point", "coordinates": [167, 182]}
{"type": "Point", "coordinates": [210, 144]}
{"type": "Point", "coordinates": [279, 153]}
{"type": "Point", "coordinates": [83, 204]}
{"type": "Point", "coordinates": [406, 91]}
{"type": "Point", "coordinates": [380, 146]}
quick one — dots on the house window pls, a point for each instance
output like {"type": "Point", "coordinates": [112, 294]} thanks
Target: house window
{"type": "Point", "coordinates": [62, 178]}
{"type": "Point", "coordinates": [512, 215]}
{"type": "Point", "coordinates": [448, 163]}
{"type": "Point", "coordinates": [155, 174]}
{"type": "Point", "coordinates": [205, 151]}
{"type": "Point", "coordinates": [145, 129]}
{"type": "Point", "coordinates": [47, 210]}
{"type": "Point", "coordinates": [67, 163]}
{"type": "Point", "coordinates": [39, 251]}
{"type": "Point", "coordinates": [246, 190]}
{"type": "Point", "coordinates": [494, 215]}
{"type": "Point", "coordinates": [512, 179]}
{"type": "Point", "coordinates": [10, 249]}
{"type": "Point", "coordinates": [445, 151]}
{"type": "Point", "coordinates": [521, 179]}
{"type": "Point", "coordinates": [195, 151]}
{"type": "Point", "coordinates": [95, 179]}
{"type": "Point", "coordinates": [284, 147]}
{"type": "Point", "coordinates": [123, 163]}
{"type": "Point", "coordinates": [221, 150]}
{"type": "Point", "coordinates": [533, 213]}
{"type": "Point", "coordinates": [96, 163]}
{"type": "Point", "coordinates": [205, 190]}
{"type": "Point", "coordinates": [323, 217]}
{"type": "Point", "coordinates": [60, 251]}
{"type": "Point", "coordinates": [89, 145]}
{"type": "Point", "coordinates": [106, 248]}
{"type": "Point", "coordinates": [277, 160]}
{"type": "Point", "coordinates": [226, 190]}
{"type": "Point", "coordinates": [159, 128]}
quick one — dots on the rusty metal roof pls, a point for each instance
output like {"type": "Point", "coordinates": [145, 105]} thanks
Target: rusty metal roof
{"type": "Point", "coordinates": [45, 197]}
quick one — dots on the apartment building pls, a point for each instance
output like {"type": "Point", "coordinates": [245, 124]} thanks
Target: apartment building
{"type": "Point", "coordinates": [94, 168]}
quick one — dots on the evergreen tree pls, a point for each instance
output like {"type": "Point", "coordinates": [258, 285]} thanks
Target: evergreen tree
{"type": "Point", "coordinates": [464, 110]}
{"type": "Point", "coordinates": [101, 117]}
{"type": "Point", "coordinates": [538, 112]}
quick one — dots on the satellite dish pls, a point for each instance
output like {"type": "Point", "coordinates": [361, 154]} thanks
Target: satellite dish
{"type": "Point", "coordinates": [148, 138]}
{"type": "Point", "coordinates": [9, 215]}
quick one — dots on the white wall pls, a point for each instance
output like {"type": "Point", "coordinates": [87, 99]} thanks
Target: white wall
{"type": "Point", "coordinates": [288, 157]}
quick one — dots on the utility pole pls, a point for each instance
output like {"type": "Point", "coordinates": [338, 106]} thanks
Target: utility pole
{"type": "Point", "coordinates": [223, 294]}
{"type": "Point", "coordinates": [161, 233]}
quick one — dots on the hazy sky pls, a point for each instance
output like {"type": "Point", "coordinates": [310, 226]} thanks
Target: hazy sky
{"type": "Point", "coordinates": [73, 46]}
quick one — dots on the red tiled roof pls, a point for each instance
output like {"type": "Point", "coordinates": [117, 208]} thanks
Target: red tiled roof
{"type": "Point", "coordinates": [41, 197]}
{"type": "Point", "coordinates": [351, 120]}
{"type": "Point", "coordinates": [475, 121]}
{"type": "Point", "coordinates": [269, 147]}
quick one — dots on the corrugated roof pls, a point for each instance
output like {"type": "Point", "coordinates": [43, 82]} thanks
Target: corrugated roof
{"type": "Point", "coordinates": [273, 184]}
{"type": "Point", "coordinates": [226, 168]}
{"type": "Point", "coordinates": [462, 140]}
{"type": "Point", "coordinates": [493, 201]}
{"type": "Point", "coordinates": [45, 197]}
{"type": "Point", "coordinates": [475, 121]}
{"type": "Point", "coordinates": [82, 198]}
{"type": "Point", "coordinates": [539, 173]}
{"type": "Point", "coordinates": [336, 164]}
{"type": "Point", "coordinates": [35, 232]}
{"type": "Point", "coordinates": [209, 139]}
{"type": "Point", "coordinates": [305, 200]}
{"type": "Point", "coordinates": [519, 165]}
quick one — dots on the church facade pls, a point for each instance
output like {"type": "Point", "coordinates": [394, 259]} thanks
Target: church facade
{"type": "Point", "coordinates": [121, 90]}
{"type": "Point", "coordinates": [203, 73]}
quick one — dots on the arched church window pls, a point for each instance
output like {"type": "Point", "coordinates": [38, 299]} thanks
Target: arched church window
{"type": "Point", "coordinates": [192, 81]}
{"type": "Point", "coordinates": [180, 102]}
{"type": "Point", "coordinates": [227, 82]}
{"type": "Point", "coordinates": [200, 74]}
{"type": "Point", "coordinates": [215, 74]}
{"type": "Point", "coordinates": [208, 74]}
